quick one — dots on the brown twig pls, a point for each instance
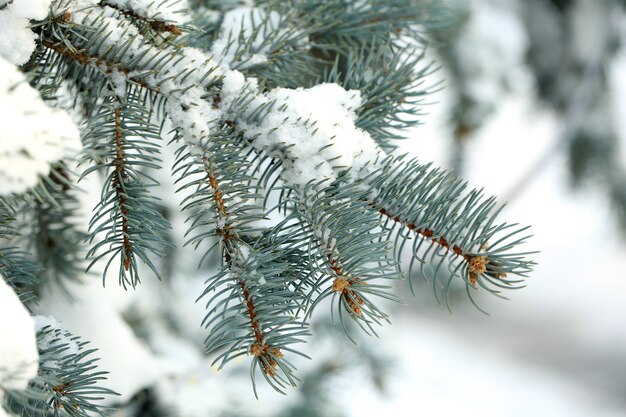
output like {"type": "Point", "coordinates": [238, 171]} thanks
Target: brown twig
{"type": "Point", "coordinates": [266, 354]}
{"type": "Point", "coordinates": [343, 285]}
{"type": "Point", "coordinates": [118, 182]}
{"type": "Point", "coordinates": [259, 348]}
{"type": "Point", "coordinates": [158, 25]}
{"type": "Point", "coordinates": [476, 264]}
{"type": "Point", "coordinates": [95, 61]}
{"type": "Point", "coordinates": [426, 233]}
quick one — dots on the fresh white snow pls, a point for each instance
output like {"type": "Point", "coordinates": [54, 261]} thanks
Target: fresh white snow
{"type": "Point", "coordinates": [312, 131]}
{"type": "Point", "coordinates": [17, 40]}
{"type": "Point", "coordinates": [32, 134]}
{"type": "Point", "coordinates": [19, 359]}
{"type": "Point", "coordinates": [53, 331]}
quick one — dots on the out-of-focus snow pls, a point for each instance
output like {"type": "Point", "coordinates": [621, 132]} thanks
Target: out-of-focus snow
{"type": "Point", "coordinates": [559, 343]}
{"type": "Point", "coordinates": [32, 135]}
{"type": "Point", "coordinates": [96, 316]}
{"type": "Point", "coordinates": [593, 21]}
{"type": "Point", "coordinates": [617, 79]}
{"type": "Point", "coordinates": [491, 48]}
{"type": "Point", "coordinates": [441, 374]}
{"type": "Point", "coordinates": [19, 359]}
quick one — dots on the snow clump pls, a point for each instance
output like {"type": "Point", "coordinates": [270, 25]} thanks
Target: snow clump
{"type": "Point", "coordinates": [17, 40]}
{"type": "Point", "coordinates": [32, 135]}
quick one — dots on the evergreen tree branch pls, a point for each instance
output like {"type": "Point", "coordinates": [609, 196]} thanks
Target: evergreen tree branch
{"type": "Point", "coordinates": [254, 276]}
{"type": "Point", "coordinates": [56, 239]}
{"type": "Point", "coordinates": [49, 250]}
{"type": "Point", "coordinates": [16, 266]}
{"type": "Point", "coordinates": [97, 62]}
{"type": "Point", "coordinates": [342, 236]}
{"type": "Point", "coordinates": [455, 225]}
{"type": "Point", "coordinates": [127, 217]}
{"type": "Point", "coordinates": [118, 183]}
{"type": "Point", "coordinates": [391, 81]}
{"type": "Point", "coordinates": [331, 242]}
{"type": "Point", "coordinates": [67, 383]}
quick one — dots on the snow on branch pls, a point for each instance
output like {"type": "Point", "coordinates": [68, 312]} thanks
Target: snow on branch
{"type": "Point", "coordinates": [323, 144]}
{"type": "Point", "coordinates": [32, 135]}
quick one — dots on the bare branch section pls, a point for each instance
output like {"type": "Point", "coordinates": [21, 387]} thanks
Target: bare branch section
{"type": "Point", "coordinates": [117, 183]}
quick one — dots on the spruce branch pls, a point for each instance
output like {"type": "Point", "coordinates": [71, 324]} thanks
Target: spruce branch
{"type": "Point", "coordinates": [127, 223]}
{"type": "Point", "coordinates": [95, 62]}
{"type": "Point", "coordinates": [56, 239]}
{"type": "Point", "coordinates": [456, 226]}
{"type": "Point", "coordinates": [244, 138]}
{"type": "Point", "coordinates": [253, 276]}
{"type": "Point", "coordinates": [48, 248]}
{"type": "Point", "coordinates": [17, 267]}
{"type": "Point", "coordinates": [118, 180]}
{"type": "Point", "coordinates": [393, 85]}
{"type": "Point", "coordinates": [67, 383]}
{"type": "Point", "coordinates": [21, 272]}
{"type": "Point", "coordinates": [350, 259]}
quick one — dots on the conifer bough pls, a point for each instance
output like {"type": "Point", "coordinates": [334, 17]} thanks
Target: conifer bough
{"type": "Point", "coordinates": [288, 107]}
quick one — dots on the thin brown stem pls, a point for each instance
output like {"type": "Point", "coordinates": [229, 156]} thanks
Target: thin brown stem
{"type": "Point", "coordinates": [95, 61]}
{"type": "Point", "coordinates": [477, 264]}
{"type": "Point", "coordinates": [158, 25]}
{"type": "Point", "coordinates": [426, 233]}
{"type": "Point", "coordinates": [343, 285]}
{"type": "Point", "coordinates": [260, 349]}
{"type": "Point", "coordinates": [119, 164]}
{"type": "Point", "coordinates": [60, 389]}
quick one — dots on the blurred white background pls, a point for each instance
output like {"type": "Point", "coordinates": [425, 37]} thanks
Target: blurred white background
{"type": "Point", "coordinates": [558, 348]}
